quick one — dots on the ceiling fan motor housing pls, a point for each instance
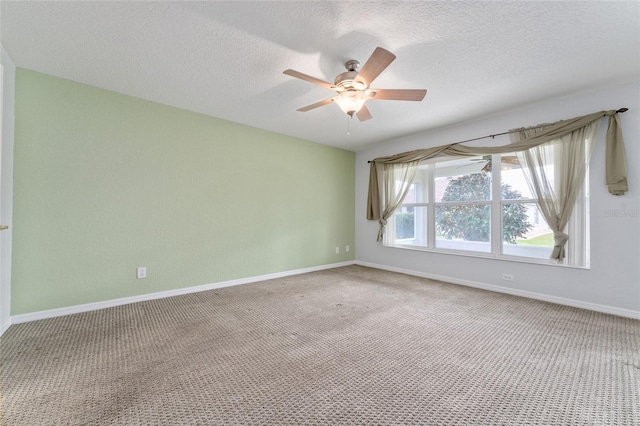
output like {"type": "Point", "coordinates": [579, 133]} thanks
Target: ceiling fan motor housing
{"type": "Point", "coordinates": [347, 80]}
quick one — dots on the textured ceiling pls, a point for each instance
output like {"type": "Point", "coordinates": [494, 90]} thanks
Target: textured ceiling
{"type": "Point", "coordinates": [226, 59]}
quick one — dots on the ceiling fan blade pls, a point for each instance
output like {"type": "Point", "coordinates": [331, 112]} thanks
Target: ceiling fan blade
{"type": "Point", "coordinates": [364, 114]}
{"type": "Point", "coordinates": [510, 159]}
{"type": "Point", "coordinates": [316, 105]}
{"type": "Point", "coordinates": [305, 77]}
{"type": "Point", "coordinates": [397, 94]}
{"type": "Point", "coordinates": [377, 62]}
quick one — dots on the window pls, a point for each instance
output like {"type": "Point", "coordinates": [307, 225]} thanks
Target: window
{"type": "Point", "coordinates": [471, 206]}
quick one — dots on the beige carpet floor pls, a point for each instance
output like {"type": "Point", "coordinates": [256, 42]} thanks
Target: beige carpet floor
{"type": "Point", "coordinates": [347, 346]}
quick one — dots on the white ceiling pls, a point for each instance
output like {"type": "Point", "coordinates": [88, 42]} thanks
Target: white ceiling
{"type": "Point", "coordinates": [226, 59]}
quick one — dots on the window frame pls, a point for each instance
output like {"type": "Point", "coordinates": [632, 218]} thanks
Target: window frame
{"type": "Point", "coordinates": [578, 247]}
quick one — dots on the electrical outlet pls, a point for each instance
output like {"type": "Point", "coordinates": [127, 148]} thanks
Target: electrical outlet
{"type": "Point", "coordinates": [337, 250]}
{"type": "Point", "coordinates": [142, 272]}
{"type": "Point", "coordinates": [507, 277]}
{"type": "Point", "coordinates": [346, 248]}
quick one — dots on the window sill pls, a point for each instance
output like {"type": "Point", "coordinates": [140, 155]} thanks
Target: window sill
{"type": "Point", "coordinates": [484, 255]}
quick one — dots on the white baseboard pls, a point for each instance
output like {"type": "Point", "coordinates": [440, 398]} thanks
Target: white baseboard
{"type": "Point", "coordinates": [523, 293]}
{"type": "Point", "coordinates": [52, 313]}
{"type": "Point", "coordinates": [5, 326]}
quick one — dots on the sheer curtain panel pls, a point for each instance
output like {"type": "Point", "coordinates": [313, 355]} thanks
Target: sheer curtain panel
{"type": "Point", "coordinates": [396, 180]}
{"type": "Point", "coordinates": [556, 188]}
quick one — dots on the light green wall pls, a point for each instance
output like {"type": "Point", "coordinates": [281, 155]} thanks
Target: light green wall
{"type": "Point", "coordinates": [104, 183]}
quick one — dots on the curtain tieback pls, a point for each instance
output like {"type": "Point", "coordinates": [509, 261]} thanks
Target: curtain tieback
{"type": "Point", "coordinates": [383, 225]}
{"type": "Point", "coordinates": [559, 239]}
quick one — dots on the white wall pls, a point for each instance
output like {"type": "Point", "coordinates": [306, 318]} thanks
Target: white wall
{"type": "Point", "coordinates": [6, 168]}
{"type": "Point", "coordinates": [612, 284]}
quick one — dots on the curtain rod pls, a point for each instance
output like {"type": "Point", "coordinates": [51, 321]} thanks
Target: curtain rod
{"type": "Point", "coordinates": [620, 111]}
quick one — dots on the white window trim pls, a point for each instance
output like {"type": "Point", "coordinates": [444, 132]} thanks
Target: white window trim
{"type": "Point", "coordinates": [578, 247]}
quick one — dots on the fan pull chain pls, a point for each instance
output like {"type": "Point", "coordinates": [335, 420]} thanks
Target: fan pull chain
{"type": "Point", "coordinates": [349, 117]}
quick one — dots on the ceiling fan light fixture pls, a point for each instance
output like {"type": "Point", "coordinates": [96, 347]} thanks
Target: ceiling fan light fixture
{"type": "Point", "coordinates": [350, 101]}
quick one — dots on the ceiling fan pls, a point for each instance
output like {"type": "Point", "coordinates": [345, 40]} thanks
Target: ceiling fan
{"type": "Point", "coordinates": [508, 162]}
{"type": "Point", "coordinates": [353, 86]}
